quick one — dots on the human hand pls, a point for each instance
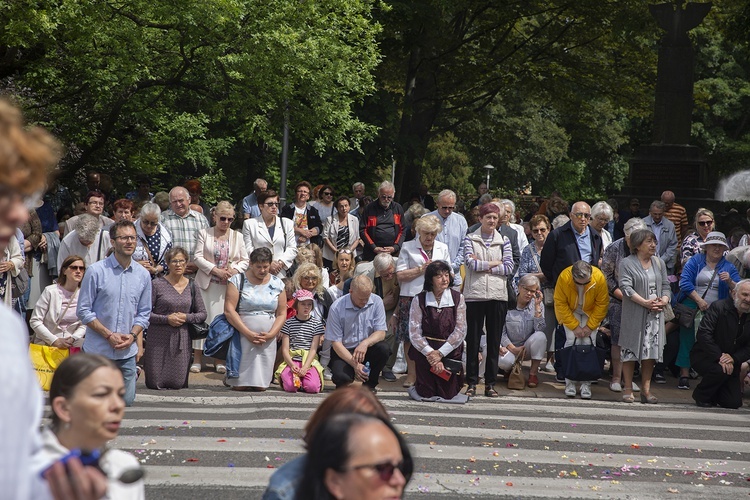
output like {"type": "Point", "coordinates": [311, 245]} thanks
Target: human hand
{"type": "Point", "coordinates": [727, 367]}
{"type": "Point", "coordinates": [702, 304]}
{"type": "Point", "coordinates": [62, 343]}
{"type": "Point", "coordinates": [43, 243]}
{"type": "Point", "coordinates": [725, 277]}
{"type": "Point", "coordinates": [434, 357]}
{"type": "Point", "coordinates": [140, 353]}
{"type": "Point", "coordinates": [126, 341]}
{"type": "Point", "coordinates": [359, 373]}
{"type": "Point", "coordinates": [438, 368]}
{"type": "Point", "coordinates": [73, 481]}
{"type": "Point", "coordinates": [579, 332]}
{"type": "Point", "coordinates": [275, 267]}
{"type": "Point", "coordinates": [302, 371]}
{"type": "Point", "coordinates": [175, 320]}
{"type": "Point", "coordinates": [6, 266]}
{"type": "Point", "coordinates": [359, 353]}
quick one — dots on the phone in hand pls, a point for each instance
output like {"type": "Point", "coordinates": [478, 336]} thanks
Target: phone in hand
{"type": "Point", "coordinates": [87, 459]}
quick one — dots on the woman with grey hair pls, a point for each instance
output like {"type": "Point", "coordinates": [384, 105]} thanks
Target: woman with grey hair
{"type": "Point", "coordinates": [611, 259]}
{"type": "Point", "coordinates": [87, 240]}
{"type": "Point", "coordinates": [524, 328]}
{"type": "Point", "coordinates": [645, 294]}
{"type": "Point", "coordinates": [601, 214]}
{"type": "Point", "coordinates": [413, 259]}
{"type": "Point", "coordinates": [153, 240]}
{"type": "Point", "coordinates": [509, 219]}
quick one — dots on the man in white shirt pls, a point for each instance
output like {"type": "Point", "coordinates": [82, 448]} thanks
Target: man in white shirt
{"type": "Point", "coordinates": [454, 230]}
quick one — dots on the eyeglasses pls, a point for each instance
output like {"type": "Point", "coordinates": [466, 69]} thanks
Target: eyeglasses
{"type": "Point", "coordinates": [386, 197]}
{"type": "Point", "coordinates": [226, 219]}
{"type": "Point", "coordinates": [272, 204]}
{"type": "Point", "coordinates": [178, 262]}
{"type": "Point", "coordinates": [582, 215]}
{"type": "Point", "coordinates": [529, 290]}
{"type": "Point", "coordinates": [126, 238]}
{"type": "Point", "coordinates": [97, 203]}
{"type": "Point", "coordinates": [447, 208]}
{"type": "Point", "coordinates": [385, 470]}
{"type": "Point", "coordinates": [705, 222]}
{"type": "Point", "coordinates": [539, 230]}
{"type": "Point", "coordinates": [77, 268]}
{"type": "Point", "coordinates": [149, 223]}
{"type": "Point", "coordinates": [345, 250]}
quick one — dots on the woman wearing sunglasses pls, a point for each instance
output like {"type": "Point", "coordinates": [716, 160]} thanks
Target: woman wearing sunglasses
{"type": "Point", "coordinates": [691, 245]}
{"type": "Point", "coordinates": [272, 232]}
{"type": "Point", "coordinates": [356, 457]}
{"type": "Point", "coordinates": [54, 319]}
{"type": "Point", "coordinates": [219, 254]}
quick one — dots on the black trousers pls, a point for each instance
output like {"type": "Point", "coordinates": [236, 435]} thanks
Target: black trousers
{"type": "Point", "coordinates": [718, 387]}
{"type": "Point", "coordinates": [493, 311]}
{"type": "Point", "coordinates": [342, 372]}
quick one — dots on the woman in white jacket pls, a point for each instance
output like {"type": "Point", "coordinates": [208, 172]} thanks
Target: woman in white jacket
{"type": "Point", "coordinates": [272, 232]}
{"type": "Point", "coordinates": [10, 265]}
{"type": "Point", "coordinates": [54, 319]}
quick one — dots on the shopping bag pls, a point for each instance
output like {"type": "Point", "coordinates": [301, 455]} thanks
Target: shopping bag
{"type": "Point", "coordinates": [45, 360]}
{"type": "Point", "coordinates": [582, 362]}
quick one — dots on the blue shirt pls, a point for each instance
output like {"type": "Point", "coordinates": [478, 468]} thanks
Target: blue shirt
{"type": "Point", "coordinates": [584, 245]}
{"type": "Point", "coordinates": [350, 324]}
{"type": "Point", "coordinates": [453, 234]}
{"type": "Point", "coordinates": [284, 482]}
{"type": "Point", "coordinates": [250, 205]}
{"type": "Point", "coordinates": [119, 298]}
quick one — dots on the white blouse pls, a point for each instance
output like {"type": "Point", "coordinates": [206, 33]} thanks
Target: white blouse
{"type": "Point", "coordinates": [412, 255]}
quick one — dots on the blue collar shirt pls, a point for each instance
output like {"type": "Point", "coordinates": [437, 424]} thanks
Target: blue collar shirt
{"type": "Point", "coordinates": [350, 324]}
{"type": "Point", "coordinates": [584, 245]}
{"type": "Point", "coordinates": [453, 234]}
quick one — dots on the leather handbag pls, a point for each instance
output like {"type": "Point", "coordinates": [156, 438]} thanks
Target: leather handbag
{"type": "Point", "coordinates": [516, 380]}
{"type": "Point", "coordinates": [197, 331]}
{"type": "Point", "coordinates": [20, 283]}
{"type": "Point", "coordinates": [582, 362]}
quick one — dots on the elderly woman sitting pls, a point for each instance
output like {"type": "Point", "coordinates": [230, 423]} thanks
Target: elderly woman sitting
{"type": "Point", "coordinates": [524, 328]}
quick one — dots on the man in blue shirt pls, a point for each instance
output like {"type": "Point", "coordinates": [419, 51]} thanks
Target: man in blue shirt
{"type": "Point", "coordinates": [356, 328]}
{"type": "Point", "coordinates": [115, 305]}
{"type": "Point", "coordinates": [250, 208]}
{"type": "Point", "coordinates": [454, 231]}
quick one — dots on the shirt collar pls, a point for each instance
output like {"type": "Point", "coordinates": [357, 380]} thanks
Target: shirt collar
{"type": "Point", "coordinates": [350, 304]}
{"type": "Point", "coordinates": [115, 263]}
{"type": "Point", "coordinates": [446, 300]}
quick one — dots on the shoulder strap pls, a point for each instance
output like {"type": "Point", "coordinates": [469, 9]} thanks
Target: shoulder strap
{"type": "Point", "coordinates": [99, 251]}
{"type": "Point", "coordinates": [716, 269]}
{"type": "Point", "coordinates": [242, 287]}
{"type": "Point", "coordinates": [192, 296]}
{"type": "Point", "coordinates": [148, 252]}
{"type": "Point", "coordinates": [283, 230]}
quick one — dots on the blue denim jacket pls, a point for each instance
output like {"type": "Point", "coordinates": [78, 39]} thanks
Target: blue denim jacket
{"type": "Point", "coordinates": [221, 332]}
{"type": "Point", "coordinates": [284, 482]}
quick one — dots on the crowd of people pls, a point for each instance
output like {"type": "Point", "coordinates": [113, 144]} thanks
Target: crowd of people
{"type": "Point", "coordinates": [332, 290]}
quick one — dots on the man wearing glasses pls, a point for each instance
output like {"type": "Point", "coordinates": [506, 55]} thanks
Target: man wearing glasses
{"type": "Point", "coordinates": [94, 203]}
{"type": "Point", "coordinates": [183, 223]}
{"type": "Point", "coordinates": [381, 224]}
{"type": "Point", "coordinates": [666, 236]}
{"type": "Point", "coordinates": [454, 230]}
{"type": "Point", "coordinates": [115, 305]}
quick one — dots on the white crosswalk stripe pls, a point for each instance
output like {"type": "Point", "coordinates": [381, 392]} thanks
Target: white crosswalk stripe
{"type": "Point", "coordinates": [510, 447]}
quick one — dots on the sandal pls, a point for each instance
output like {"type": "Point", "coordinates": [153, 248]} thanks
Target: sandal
{"type": "Point", "coordinates": [195, 368]}
{"type": "Point", "coordinates": [471, 391]}
{"type": "Point", "coordinates": [490, 392]}
{"type": "Point", "coordinates": [649, 399]}
{"type": "Point", "coordinates": [628, 398]}
{"type": "Point", "coordinates": [533, 381]}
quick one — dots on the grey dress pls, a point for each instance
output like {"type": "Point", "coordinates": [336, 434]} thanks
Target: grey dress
{"type": "Point", "coordinates": [643, 331]}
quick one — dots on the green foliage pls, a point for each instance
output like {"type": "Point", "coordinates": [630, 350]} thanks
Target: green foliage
{"type": "Point", "coordinates": [447, 166]}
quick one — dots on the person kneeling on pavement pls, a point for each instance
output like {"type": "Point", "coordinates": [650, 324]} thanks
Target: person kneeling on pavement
{"type": "Point", "coordinates": [356, 328]}
{"type": "Point", "coordinates": [524, 329]}
{"type": "Point", "coordinates": [721, 346]}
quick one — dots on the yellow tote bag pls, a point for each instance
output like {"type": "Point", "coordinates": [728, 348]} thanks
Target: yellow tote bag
{"type": "Point", "coordinates": [45, 360]}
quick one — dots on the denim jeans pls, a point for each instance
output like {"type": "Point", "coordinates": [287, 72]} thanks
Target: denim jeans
{"type": "Point", "coordinates": [127, 367]}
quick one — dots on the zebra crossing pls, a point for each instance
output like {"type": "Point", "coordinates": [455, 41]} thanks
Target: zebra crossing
{"type": "Point", "coordinates": [198, 443]}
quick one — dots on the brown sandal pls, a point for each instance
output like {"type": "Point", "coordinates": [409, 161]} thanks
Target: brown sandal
{"type": "Point", "coordinates": [490, 392]}
{"type": "Point", "coordinates": [471, 391]}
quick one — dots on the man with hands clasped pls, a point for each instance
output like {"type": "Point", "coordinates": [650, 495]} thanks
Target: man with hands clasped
{"type": "Point", "coordinates": [356, 327]}
{"type": "Point", "coordinates": [115, 305]}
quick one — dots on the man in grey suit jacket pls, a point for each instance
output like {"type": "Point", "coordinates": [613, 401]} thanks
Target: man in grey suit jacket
{"type": "Point", "coordinates": [666, 236]}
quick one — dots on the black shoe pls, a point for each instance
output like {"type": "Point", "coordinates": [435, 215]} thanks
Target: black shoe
{"type": "Point", "coordinates": [659, 378]}
{"type": "Point", "coordinates": [704, 404]}
{"type": "Point", "coordinates": [560, 377]}
{"type": "Point", "coordinates": [388, 376]}
{"type": "Point", "coordinates": [683, 383]}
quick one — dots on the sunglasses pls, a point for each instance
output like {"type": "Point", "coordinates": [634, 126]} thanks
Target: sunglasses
{"type": "Point", "coordinates": [385, 470]}
{"type": "Point", "coordinates": [310, 278]}
{"type": "Point", "coordinates": [705, 222]}
{"type": "Point", "coordinates": [272, 204]}
{"type": "Point", "coordinates": [447, 208]}
{"type": "Point", "coordinates": [327, 194]}
{"type": "Point", "coordinates": [540, 230]}
{"type": "Point", "coordinates": [226, 219]}
{"type": "Point", "coordinates": [77, 268]}
{"type": "Point", "coordinates": [345, 250]}
{"type": "Point", "coordinates": [149, 223]}
{"type": "Point", "coordinates": [582, 215]}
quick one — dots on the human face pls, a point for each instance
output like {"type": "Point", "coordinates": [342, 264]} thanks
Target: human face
{"type": "Point", "coordinates": [177, 264]}
{"type": "Point", "coordinates": [482, 189]}
{"type": "Point", "coordinates": [440, 282]}
{"type": "Point", "coordinates": [270, 207]}
{"type": "Point", "coordinates": [389, 273]}
{"type": "Point", "coordinates": [742, 298]}
{"type": "Point", "coordinates": [326, 195]}
{"type": "Point", "coordinates": [344, 261]}
{"type": "Point", "coordinates": [260, 269]}
{"type": "Point", "coordinates": [360, 297]}
{"type": "Point", "coordinates": [303, 194]}
{"type": "Point", "coordinates": [124, 243]}
{"type": "Point", "coordinates": [195, 197]}
{"type": "Point", "coordinates": [446, 206]}
{"type": "Point", "coordinates": [343, 208]}
{"type": "Point", "coordinates": [489, 222]}
{"type": "Point", "coordinates": [705, 225]}
{"type": "Point", "coordinates": [122, 214]}
{"type": "Point", "coordinates": [304, 309]}
{"type": "Point", "coordinates": [359, 192]}
{"type": "Point", "coordinates": [149, 223]}
{"type": "Point", "coordinates": [372, 445]}
{"type": "Point", "coordinates": [95, 206]}
{"type": "Point", "coordinates": [580, 216]}
{"type": "Point", "coordinates": [93, 181]}
{"type": "Point", "coordinates": [95, 409]}
{"type": "Point", "coordinates": [14, 212]}
{"type": "Point", "coordinates": [74, 272]}
{"type": "Point", "coordinates": [539, 233]}
{"type": "Point", "coordinates": [427, 239]}
{"type": "Point", "coordinates": [635, 208]}
{"type": "Point", "coordinates": [714, 252]}
{"type": "Point", "coordinates": [385, 196]}
{"type": "Point", "coordinates": [526, 293]}
{"type": "Point", "coordinates": [647, 248]}
{"type": "Point", "coordinates": [309, 281]}
{"type": "Point", "coordinates": [179, 202]}
{"type": "Point", "coordinates": [262, 187]}
{"type": "Point", "coordinates": [224, 219]}
{"type": "Point", "coordinates": [599, 222]}
{"type": "Point", "coordinates": [656, 214]}
{"type": "Point", "coordinates": [474, 215]}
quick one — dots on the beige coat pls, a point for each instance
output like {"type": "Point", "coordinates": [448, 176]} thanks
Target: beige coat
{"type": "Point", "coordinates": [47, 314]}
{"type": "Point", "coordinates": [13, 254]}
{"type": "Point", "coordinates": [204, 255]}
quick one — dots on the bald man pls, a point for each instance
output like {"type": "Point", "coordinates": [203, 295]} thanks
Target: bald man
{"type": "Point", "coordinates": [677, 214]}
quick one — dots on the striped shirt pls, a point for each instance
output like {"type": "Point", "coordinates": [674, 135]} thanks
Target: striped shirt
{"type": "Point", "coordinates": [301, 333]}
{"type": "Point", "coordinates": [184, 230]}
{"type": "Point", "coordinates": [483, 265]}
{"type": "Point", "coordinates": [678, 215]}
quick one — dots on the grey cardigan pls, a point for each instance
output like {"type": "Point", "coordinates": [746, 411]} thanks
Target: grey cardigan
{"type": "Point", "coordinates": [633, 279]}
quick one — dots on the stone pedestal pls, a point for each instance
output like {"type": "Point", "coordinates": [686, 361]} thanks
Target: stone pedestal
{"type": "Point", "coordinates": [656, 168]}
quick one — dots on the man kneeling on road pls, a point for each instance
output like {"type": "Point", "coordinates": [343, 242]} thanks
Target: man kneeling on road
{"type": "Point", "coordinates": [356, 327]}
{"type": "Point", "coordinates": [722, 344]}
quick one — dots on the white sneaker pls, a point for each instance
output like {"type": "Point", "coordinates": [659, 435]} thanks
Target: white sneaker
{"type": "Point", "coordinates": [570, 388]}
{"type": "Point", "coordinates": [585, 390]}
{"type": "Point", "coordinates": [636, 388]}
{"type": "Point", "coordinates": [549, 367]}
{"type": "Point", "coordinates": [327, 374]}
{"type": "Point", "coordinates": [615, 387]}
{"type": "Point", "coordinates": [221, 368]}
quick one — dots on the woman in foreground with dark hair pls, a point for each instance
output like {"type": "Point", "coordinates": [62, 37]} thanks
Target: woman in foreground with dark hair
{"type": "Point", "coordinates": [356, 457]}
{"type": "Point", "coordinates": [437, 329]}
{"type": "Point", "coordinates": [87, 402]}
